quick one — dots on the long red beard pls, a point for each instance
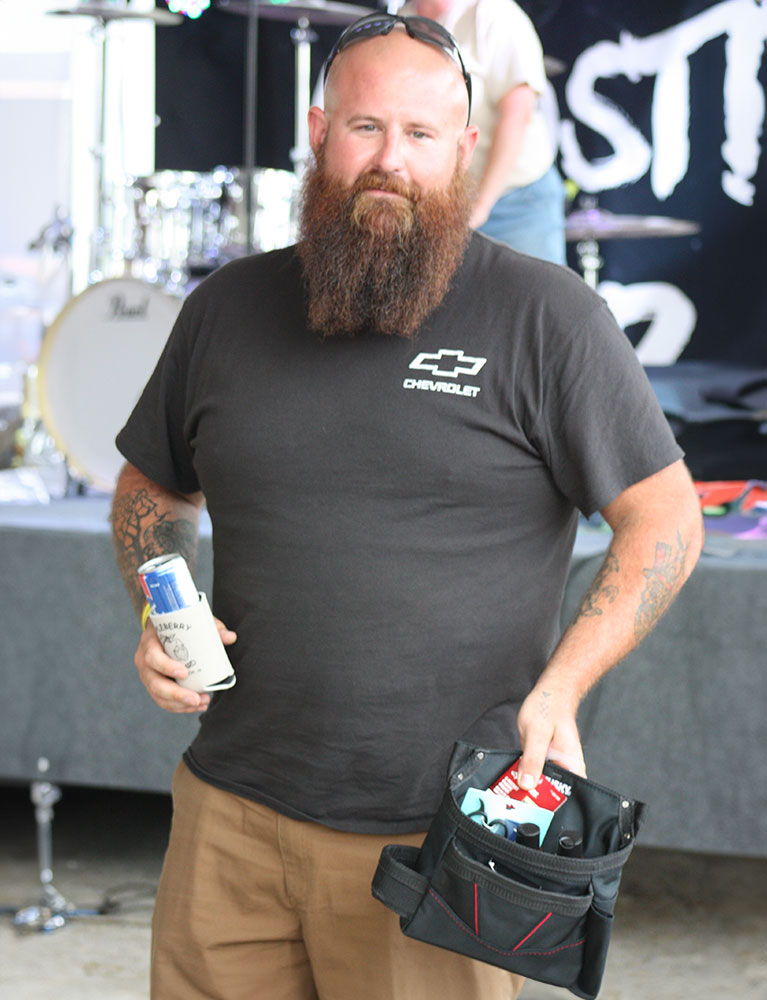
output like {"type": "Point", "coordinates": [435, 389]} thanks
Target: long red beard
{"type": "Point", "coordinates": [376, 263]}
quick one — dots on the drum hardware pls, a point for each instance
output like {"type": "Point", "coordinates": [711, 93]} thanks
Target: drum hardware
{"type": "Point", "coordinates": [250, 105]}
{"type": "Point", "coordinates": [24, 304]}
{"type": "Point", "coordinates": [588, 225]}
{"type": "Point", "coordinates": [168, 213]}
{"type": "Point", "coordinates": [10, 414]}
{"type": "Point", "coordinates": [104, 13]}
{"type": "Point", "coordinates": [114, 12]}
{"type": "Point", "coordinates": [302, 38]}
{"type": "Point", "coordinates": [251, 115]}
{"type": "Point", "coordinates": [55, 235]}
{"type": "Point", "coordinates": [181, 225]}
{"type": "Point", "coordinates": [35, 449]}
{"type": "Point", "coordinates": [303, 13]}
{"type": "Point", "coordinates": [326, 12]}
{"type": "Point", "coordinates": [52, 910]}
{"type": "Point", "coordinates": [147, 230]}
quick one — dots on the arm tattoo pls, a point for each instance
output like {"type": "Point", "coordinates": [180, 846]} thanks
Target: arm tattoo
{"type": "Point", "coordinates": [663, 578]}
{"type": "Point", "coordinates": [142, 531]}
{"type": "Point", "coordinates": [600, 592]}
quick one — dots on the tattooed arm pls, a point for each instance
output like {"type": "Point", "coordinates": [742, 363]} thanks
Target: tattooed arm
{"type": "Point", "coordinates": [657, 538]}
{"type": "Point", "coordinates": [149, 520]}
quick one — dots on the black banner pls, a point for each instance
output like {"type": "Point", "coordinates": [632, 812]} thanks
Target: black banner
{"type": "Point", "coordinates": [661, 113]}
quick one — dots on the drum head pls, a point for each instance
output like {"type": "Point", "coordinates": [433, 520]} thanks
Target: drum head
{"type": "Point", "coordinates": [95, 360]}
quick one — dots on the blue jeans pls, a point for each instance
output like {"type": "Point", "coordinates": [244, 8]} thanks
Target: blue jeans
{"type": "Point", "coordinates": [532, 218]}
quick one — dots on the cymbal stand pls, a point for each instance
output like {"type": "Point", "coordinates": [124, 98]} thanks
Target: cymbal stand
{"type": "Point", "coordinates": [590, 261]}
{"type": "Point", "coordinates": [302, 37]}
{"type": "Point", "coordinates": [53, 909]}
{"type": "Point", "coordinates": [588, 249]}
{"type": "Point", "coordinates": [251, 111]}
{"type": "Point", "coordinates": [99, 239]}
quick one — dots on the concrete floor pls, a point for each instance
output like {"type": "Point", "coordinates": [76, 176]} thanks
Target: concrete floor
{"type": "Point", "coordinates": [687, 926]}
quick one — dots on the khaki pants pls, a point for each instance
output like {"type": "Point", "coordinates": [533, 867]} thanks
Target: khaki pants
{"type": "Point", "coordinates": [255, 906]}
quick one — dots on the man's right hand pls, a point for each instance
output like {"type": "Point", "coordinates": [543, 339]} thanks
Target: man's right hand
{"type": "Point", "coordinates": [158, 672]}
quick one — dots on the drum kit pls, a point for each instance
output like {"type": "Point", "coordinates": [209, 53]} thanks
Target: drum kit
{"type": "Point", "coordinates": [155, 237]}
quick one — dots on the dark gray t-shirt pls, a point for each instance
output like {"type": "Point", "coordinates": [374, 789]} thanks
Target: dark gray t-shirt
{"type": "Point", "coordinates": [392, 520]}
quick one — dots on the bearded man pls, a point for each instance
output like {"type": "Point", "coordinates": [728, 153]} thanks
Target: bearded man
{"type": "Point", "coordinates": [393, 425]}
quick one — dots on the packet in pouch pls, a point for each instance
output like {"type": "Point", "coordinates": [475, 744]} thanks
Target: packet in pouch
{"type": "Point", "coordinates": [548, 794]}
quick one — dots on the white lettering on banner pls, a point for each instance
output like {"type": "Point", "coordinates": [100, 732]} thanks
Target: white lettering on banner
{"type": "Point", "coordinates": [666, 56]}
{"type": "Point", "coordinates": [671, 315]}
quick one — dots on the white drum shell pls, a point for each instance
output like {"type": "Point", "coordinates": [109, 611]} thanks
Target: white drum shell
{"type": "Point", "coordinates": [95, 360]}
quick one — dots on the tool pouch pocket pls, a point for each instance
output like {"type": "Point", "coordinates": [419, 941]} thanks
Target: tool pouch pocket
{"type": "Point", "coordinates": [530, 911]}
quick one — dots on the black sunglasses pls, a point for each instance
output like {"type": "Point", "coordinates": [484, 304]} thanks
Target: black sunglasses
{"type": "Point", "coordinates": [421, 28]}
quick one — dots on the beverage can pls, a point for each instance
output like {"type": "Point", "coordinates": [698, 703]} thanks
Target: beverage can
{"type": "Point", "coordinates": [167, 583]}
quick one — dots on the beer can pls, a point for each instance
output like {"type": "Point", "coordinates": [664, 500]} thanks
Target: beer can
{"type": "Point", "coordinates": [167, 583]}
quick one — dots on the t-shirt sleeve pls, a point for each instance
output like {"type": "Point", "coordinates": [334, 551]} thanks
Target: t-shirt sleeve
{"type": "Point", "coordinates": [598, 424]}
{"type": "Point", "coordinates": [510, 51]}
{"type": "Point", "coordinates": [156, 436]}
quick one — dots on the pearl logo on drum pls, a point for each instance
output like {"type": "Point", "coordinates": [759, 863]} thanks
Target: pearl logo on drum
{"type": "Point", "coordinates": [97, 358]}
{"type": "Point", "coordinates": [120, 308]}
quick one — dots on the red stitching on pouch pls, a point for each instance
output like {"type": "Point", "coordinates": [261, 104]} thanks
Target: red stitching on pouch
{"type": "Point", "coordinates": [532, 931]}
{"type": "Point", "coordinates": [498, 951]}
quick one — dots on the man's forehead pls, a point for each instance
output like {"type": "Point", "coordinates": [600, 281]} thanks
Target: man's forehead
{"type": "Point", "coordinates": [398, 52]}
{"type": "Point", "coordinates": [385, 61]}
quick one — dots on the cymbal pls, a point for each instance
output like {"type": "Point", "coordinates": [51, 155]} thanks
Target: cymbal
{"type": "Point", "coordinates": [316, 11]}
{"type": "Point", "coordinates": [108, 12]}
{"type": "Point", "coordinates": [597, 224]}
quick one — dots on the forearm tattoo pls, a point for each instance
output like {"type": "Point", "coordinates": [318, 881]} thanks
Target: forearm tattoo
{"type": "Point", "coordinates": [664, 579]}
{"type": "Point", "coordinates": [141, 531]}
{"type": "Point", "coordinates": [602, 591]}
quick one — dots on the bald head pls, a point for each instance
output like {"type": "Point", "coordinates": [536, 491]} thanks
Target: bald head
{"type": "Point", "coordinates": [423, 70]}
{"type": "Point", "coordinates": [397, 105]}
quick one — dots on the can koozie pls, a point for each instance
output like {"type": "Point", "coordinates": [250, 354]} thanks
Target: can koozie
{"type": "Point", "coordinates": [190, 636]}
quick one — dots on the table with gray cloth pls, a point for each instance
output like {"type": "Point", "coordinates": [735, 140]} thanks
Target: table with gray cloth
{"type": "Point", "coordinates": [680, 724]}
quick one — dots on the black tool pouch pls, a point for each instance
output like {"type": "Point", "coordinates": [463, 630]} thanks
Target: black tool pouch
{"type": "Point", "coordinates": [530, 911]}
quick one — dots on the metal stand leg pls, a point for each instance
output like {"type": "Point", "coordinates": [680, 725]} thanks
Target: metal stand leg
{"type": "Point", "coordinates": [590, 261]}
{"type": "Point", "coordinates": [251, 110]}
{"type": "Point", "coordinates": [53, 909]}
{"type": "Point", "coordinates": [302, 37]}
{"type": "Point", "coordinates": [101, 237]}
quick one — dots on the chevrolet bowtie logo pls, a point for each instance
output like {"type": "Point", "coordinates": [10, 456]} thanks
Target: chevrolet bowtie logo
{"type": "Point", "coordinates": [462, 364]}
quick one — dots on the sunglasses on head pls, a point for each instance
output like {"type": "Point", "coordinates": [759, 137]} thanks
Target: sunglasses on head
{"type": "Point", "coordinates": [421, 28]}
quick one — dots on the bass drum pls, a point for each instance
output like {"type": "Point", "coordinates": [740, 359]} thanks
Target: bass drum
{"type": "Point", "coordinates": [95, 359]}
